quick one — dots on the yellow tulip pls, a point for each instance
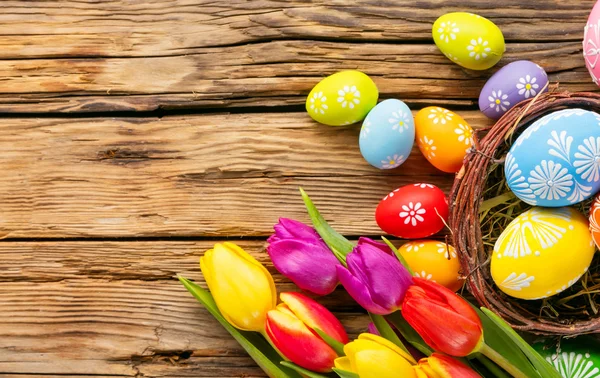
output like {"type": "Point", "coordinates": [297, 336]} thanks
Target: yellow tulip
{"type": "Point", "coordinates": [372, 356]}
{"type": "Point", "coordinates": [242, 288]}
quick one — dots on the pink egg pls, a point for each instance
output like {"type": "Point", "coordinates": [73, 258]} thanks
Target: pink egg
{"type": "Point", "coordinates": [413, 211]}
{"type": "Point", "coordinates": [591, 43]}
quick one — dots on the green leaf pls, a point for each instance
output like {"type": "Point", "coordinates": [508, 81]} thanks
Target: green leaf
{"type": "Point", "coordinates": [409, 333]}
{"type": "Point", "coordinates": [345, 374]}
{"type": "Point", "coordinates": [301, 370]}
{"type": "Point", "coordinates": [398, 255]}
{"type": "Point", "coordinates": [494, 369]}
{"type": "Point", "coordinates": [497, 339]}
{"type": "Point", "coordinates": [541, 365]}
{"type": "Point", "coordinates": [257, 347]}
{"type": "Point", "coordinates": [387, 332]}
{"type": "Point", "coordinates": [333, 343]}
{"type": "Point", "coordinates": [338, 244]}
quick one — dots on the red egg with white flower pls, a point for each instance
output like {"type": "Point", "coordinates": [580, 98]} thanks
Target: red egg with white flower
{"type": "Point", "coordinates": [595, 220]}
{"type": "Point", "coordinates": [413, 211]}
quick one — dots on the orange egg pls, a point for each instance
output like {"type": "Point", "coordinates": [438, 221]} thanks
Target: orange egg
{"type": "Point", "coordinates": [443, 137]}
{"type": "Point", "coordinates": [595, 220]}
{"type": "Point", "coordinates": [433, 260]}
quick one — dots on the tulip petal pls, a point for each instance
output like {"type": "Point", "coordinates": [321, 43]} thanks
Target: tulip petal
{"type": "Point", "coordinates": [382, 364]}
{"type": "Point", "coordinates": [373, 330]}
{"type": "Point", "coordinates": [387, 344]}
{"type": "Point", "coordinates": [310, 266]}
{"type": "Point", "coordinates": [359, 292]}
{"type": "Point", "coordinates": [449, 297]}
{"type": "Point", "coordinates": [343, 363]}
{"type": "Point", "coordinates": [444, 329]}
{"type": "Point", "coordinates": [373, 243]}
{"type": "Point", "coordinates": [298, 343]}
{"type": "Point", "coordinates": [242, 288]}
{"type": "Point", "coordinates": [386, 279]}
{"type": "Point", "coordinates": [448, 367]}
{"type": "Point", "coordinates": [293, 229]}
{"type": "Point", "coordinates": [420, 373]}
{"type": "Point", "coordinates": [315, 315]}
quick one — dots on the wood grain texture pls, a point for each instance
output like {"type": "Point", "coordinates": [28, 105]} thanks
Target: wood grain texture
{"type": "Point", "coordinates": [213, 175]}
{"type": "Point", "coordinates": [130, 56]}
{"type": "Point", "coordinates": [253, 75]}
{"type": "Point", "coordinates": [115, 308]}
{"type": "Point", "coordinates": [165, 27]}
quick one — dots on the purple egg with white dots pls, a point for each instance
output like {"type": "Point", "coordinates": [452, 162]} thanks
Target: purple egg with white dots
{"type": "Point", "coordinates": [513, 83]}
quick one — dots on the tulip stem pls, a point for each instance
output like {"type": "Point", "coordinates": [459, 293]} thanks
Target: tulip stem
{"type": "Point", "coordinates": [501, 361]}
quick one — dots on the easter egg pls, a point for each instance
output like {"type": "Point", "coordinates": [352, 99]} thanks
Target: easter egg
{"type": "Point", "coordinates": [542, 252]}
{"type": "Point", "coordinates": [433, 260]}
{"type": "Point", "coordinates": [443, 137]}
{"type": "Point", "coordinates": [594, 219]}
{"type": "Point", "coordinates": [387, 134]}
{"type": "Point", "coordinates": [343, 98]}
{"type": "Point", "coordinates": [591, 43]}
{"type": "Point", "coordinates": [413, 211]}
{"type": "Point", "coordinates": [556, 161]}
{"type": "Point", "coordinates": [574, 357]}
{"type": "Point", "coordinates": [469, 40]}
{"type": "Point", "coordinates": [512, 84]}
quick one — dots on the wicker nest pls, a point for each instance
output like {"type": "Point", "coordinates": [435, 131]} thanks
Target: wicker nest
{"type": "Point", "coordinates": [475, 227]}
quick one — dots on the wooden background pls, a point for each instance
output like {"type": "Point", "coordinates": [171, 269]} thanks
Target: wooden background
{"type": "Point", "coordinates": [135, 134]}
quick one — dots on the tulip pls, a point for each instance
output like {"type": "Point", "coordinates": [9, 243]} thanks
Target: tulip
{"type": "Point", "coordinates": [290, 327]}
{"type": "Point", "coordinates": [375, 278]}
{"type": "Point", "coordinates": [299, 253]}
{"type": "Point", "coordinates": [242, 288]}
{"type": "Point", "coordinates": [445, 321]}
{"type": "Point", "coordinates": [441, 366]}
{"type": "Point", "coordinates": [372, 356]}
{"type": "Point", "coordinates": [373, 330]}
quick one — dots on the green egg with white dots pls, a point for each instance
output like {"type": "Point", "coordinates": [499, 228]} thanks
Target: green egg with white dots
{"type": "Point", "coordinates": [573, 358]}
{"type": "Point", "coordinates": [469, 40]}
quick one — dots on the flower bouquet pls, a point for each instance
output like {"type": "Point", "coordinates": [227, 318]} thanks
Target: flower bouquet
{"type": "Point", "coordinates": [419, 328]}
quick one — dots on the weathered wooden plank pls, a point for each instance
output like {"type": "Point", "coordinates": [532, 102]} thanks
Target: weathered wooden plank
{"type": "Point", "coordinates": [214, 175]}
{"type": "Point", "coordinates": [159, 28]}
{"type": "Point", "coordinates": [252, 75]}
{"type": "Point", "coordinates": [114, 308]}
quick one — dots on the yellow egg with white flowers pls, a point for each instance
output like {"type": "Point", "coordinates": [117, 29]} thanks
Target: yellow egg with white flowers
{"type": "Point", "coordinates": [469, 40]}
{"type": "Point", "coordinates": [542, 252]}
{"type": "Point", "coordinates": [343, 98]}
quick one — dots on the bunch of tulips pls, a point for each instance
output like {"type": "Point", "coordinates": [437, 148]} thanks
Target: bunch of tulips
{"type": "Point", "coordinates": [420, 329]}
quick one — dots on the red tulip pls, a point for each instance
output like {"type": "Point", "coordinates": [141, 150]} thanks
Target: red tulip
{"type": "Point", "coordinates": [445, 321]}
{"type": "Point", "coordinates": [441, 366]}
{"type": "Point", "coordinates": [290, 327]}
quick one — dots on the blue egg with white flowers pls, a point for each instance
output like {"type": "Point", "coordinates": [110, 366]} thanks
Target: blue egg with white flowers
{"type": "Point", "coordinates": [555, 162]}
{"type": "Point", "coordinates": [387, 134]}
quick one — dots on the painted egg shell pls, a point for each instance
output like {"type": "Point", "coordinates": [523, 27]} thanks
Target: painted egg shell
{"type": "Point", "coordinates": [512, 84]}
{"type": "Point", "coordinates": [469, 40]}
{"type": "Point", "coordinates": [595, 220]}
{"type": "Point", "coordinates": [433, 260]}
{"type": "Point", "coordinates": [542, 252]}
{"type": "Point", "coordinates": [591, 43]}
{"type": "Point", "coordinates": [443, 137]}
{"type": "Point", "coordinates": [413, 211]}
{"type": "Point", "coordinates": [343, 98]}
{"type": "Point", "coordinates": [387, 134]}
{"type": "Point", "coordinates": [556, 161]}
{"type": "Point", "coordinates": [574, 358]}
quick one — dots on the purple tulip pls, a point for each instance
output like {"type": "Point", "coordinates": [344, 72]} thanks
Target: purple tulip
{"type": "Point", "coordinates": [374, 277]}
{"type": "Point", "coordinates": [373, 330]}
{"type": "Point", "coordinates": [299, 253]}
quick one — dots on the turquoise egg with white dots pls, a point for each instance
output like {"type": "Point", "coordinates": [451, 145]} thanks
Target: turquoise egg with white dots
{"type": "Point", "coordinates": [387, 134]}
{"type": "Point", "coordinates": [555, 162]}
